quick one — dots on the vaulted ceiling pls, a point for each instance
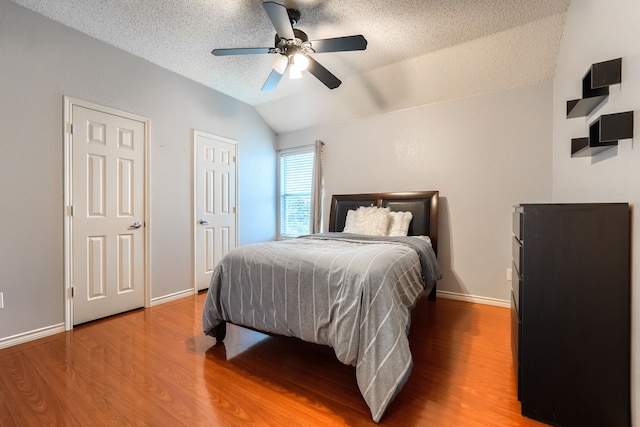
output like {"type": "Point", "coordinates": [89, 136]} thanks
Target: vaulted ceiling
{"type": "Point", "coordinates": [419, 51]}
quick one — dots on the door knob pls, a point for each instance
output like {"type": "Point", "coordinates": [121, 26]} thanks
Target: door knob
{"type": "Point", "coordinates": [135, 225]}
{"type": "Point", "coordinates": [203, 222]}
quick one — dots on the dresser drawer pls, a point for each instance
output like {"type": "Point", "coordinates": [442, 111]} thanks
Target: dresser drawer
{"type": "Point", "coordinates": [516, 350]}
{"type": "Point", "coordinates": [516, 287]}
{"type": "Point", "coordinates": [516, 253]}
{"type": "Point", "coordinates": [517, 225]}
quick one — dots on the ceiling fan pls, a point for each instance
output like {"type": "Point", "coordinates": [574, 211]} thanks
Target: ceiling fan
{"type": "Point", "coordinates": [295, 48]}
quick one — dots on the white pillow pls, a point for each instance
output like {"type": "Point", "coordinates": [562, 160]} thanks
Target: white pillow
{"type": "Point", "coordinates": [369, 221]}
{"type": "Point", "coordinates": [399, 223]}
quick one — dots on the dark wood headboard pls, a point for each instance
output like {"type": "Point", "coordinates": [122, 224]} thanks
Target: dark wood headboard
{"type": "Point", "coordinates": [423, 205]}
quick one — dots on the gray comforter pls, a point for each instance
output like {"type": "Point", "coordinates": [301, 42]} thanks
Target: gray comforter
{"type": "Point", "coordinates": [353, 293]}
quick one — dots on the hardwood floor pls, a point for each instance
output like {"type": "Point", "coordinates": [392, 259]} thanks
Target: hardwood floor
{"type": "Point", "coordinates": [155, 367]}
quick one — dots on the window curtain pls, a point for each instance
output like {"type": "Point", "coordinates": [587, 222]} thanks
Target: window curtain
{"type": "Point", "coordinates": [317, 189]}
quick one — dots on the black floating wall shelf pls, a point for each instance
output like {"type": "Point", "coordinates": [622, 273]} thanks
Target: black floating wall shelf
{"type": "Point", "coordinates": [606, 130]}
{"type": "Point", "coordinates": [595, 87]}
{"type": "Point", "coordinates": [604, 133]}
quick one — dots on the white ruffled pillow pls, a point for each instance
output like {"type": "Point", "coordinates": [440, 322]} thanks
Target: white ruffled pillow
{"type": "Point", "coordinates": [399, 224]}
{"type": "Point", "coordinates": [369, 221]}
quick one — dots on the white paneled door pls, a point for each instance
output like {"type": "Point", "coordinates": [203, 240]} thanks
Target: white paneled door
{"type": "Point", "coordinates": [215, 230]}
{"type": "Point", "coordinates": [107, 213]}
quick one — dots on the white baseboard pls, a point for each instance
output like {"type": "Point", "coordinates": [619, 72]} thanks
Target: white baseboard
{"type": "Point", "coordinates": [474, 299]}
{"type": "Point", "coordinates": [31, 335]}
{"type": "Point", "coordinates": [55, 329]}
{"type": "Point", "coordinates": [172, 297]}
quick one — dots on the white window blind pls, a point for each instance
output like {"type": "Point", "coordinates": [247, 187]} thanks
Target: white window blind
{"type": "Point", "coordinates": [295, 191]}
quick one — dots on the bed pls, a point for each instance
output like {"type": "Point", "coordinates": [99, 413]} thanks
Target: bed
{"type": "Point", "coordinates": [353, 292]}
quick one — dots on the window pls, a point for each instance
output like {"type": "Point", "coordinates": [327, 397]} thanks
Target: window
{"type": "Point", "coordinates": [295, 190]}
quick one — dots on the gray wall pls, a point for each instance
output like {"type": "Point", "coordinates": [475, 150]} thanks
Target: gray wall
{"type": "Point", "coordinates": [599, 30]}
{"type": "Point", "coordinates": [41, 61]}
{"type": "Point", "coordinates": [484, 154]}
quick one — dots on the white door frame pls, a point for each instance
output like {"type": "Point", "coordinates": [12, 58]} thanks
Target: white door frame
{"type": "Point", "coordinates": [195, 135]}
{"type": "Point", "coordinates": [69, 102]}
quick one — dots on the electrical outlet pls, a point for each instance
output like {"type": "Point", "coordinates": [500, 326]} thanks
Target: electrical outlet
{"type": "Point", "coordinates": [1, 300]}
{"type": "Point", "coordinates": [509, 274]}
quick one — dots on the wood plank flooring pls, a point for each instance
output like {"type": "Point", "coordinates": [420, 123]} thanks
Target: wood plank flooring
{"type": "Point", "coordinates": [154, 367]}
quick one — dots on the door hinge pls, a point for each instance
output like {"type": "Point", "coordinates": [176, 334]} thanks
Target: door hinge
{"type": "Point", "coordinates": [70, 128]}
{"type": "Point", "coordinates": [234, 209]}
{"type": "Point", "coordinates": [234, 159]}
{"type": "Point", "coordinates": [70, 210]}
{"type": "Point", "coordinates": [73, 291]}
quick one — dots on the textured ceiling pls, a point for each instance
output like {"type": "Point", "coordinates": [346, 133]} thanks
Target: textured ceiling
{"type": "Point", "coordinates": [421, 39]}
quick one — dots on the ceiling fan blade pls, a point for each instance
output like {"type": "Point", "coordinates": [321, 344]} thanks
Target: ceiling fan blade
{"type": "Point", "coordinates": [272, 81]}
{"type": "Point", "coordinates": [280, 19]}
{"type": "Point", "coordinates": [242, 51]}
{"type": "Point", "coordinates": [322, 74]}
{"type": "Point", "coordinates": [339, 44]}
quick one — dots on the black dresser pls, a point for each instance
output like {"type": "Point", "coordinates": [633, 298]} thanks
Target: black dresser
{"type": "Point", "coordinates": [570, 315]}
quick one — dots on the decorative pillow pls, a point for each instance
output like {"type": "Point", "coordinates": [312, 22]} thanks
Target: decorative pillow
{"type": "Point", "coordinates": [370, 221]}
{"type": "Point", "coordinates": [399, 223]}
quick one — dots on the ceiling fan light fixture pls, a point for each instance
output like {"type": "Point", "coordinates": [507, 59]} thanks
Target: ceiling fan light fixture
{"type": "Point", "coordinates": [281, 63]}
{"type": "Point", "coordinates": [300, 61]}
{"type": "Point", "coordinates": [295, 72]}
